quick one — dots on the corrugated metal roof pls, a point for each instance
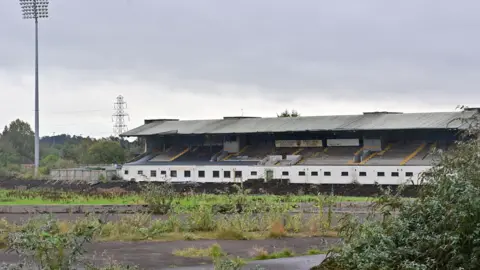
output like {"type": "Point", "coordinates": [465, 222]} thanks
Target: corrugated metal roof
{"type": "Point", "coordinates": [380, 121]}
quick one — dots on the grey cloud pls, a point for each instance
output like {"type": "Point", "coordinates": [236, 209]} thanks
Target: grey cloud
{"type": "Point", "coordinates": [344, 49]}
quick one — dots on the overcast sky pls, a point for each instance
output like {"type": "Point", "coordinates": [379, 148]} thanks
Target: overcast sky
{"type": "Point", "coordinates": [203, 59]}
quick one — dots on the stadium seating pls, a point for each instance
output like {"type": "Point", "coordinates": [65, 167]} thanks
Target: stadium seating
{"type": "Point", "coordinates": [199, 153]}
{"type": "Point", "coordinates": [336, 155]}
{"type": "Point", "coordinates": [170, 154]}
{"type": "Point", "coordinates": [398, 153]}
{"type": "Point", "coordinates": [431, 154]}
{"type": "Point", "coordinates": [402, 153]}
{"type": "Point", "coordinates": [252, 153]}
{"type": "Point", "coordinates": [309, 152]}
{"type": "Point", "coordinates": [287, 151]}
{"type": "Point", "coordinates": [142, 158]}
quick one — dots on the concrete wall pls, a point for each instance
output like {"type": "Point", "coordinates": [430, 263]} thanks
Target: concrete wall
{"type": "Point", "coordinates": [298, 143]}
{"type": "Point", "coordinates": [231, 146]}
{"type": "Point", "coordinates": [372, 144]}
{"type": "Point", "coordinates": [343, 142]}
{"type": "Point", "coordinates": [384, 175]}
{"type": "Point", "coordinates": [81, 175]}
{"type": "Point", "coordinates": [154, 143]}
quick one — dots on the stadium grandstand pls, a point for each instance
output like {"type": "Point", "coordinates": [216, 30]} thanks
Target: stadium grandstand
{"type": "Point", "coordinates": [387, 148]}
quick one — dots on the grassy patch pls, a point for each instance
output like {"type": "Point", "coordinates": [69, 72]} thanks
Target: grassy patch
{"type": "Point", "coordinates": [213, 251]}
{"type": "Point", "coordinates": [183, 203]}
{"type": "Point", "coordinates": [262, 254]}
{"type": "Point", "coordinates": [315, 251]}
{"type": "Point", "coordinates": [51, 197]}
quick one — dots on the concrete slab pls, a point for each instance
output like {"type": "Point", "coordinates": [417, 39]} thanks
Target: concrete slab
{"type": "Point", "coordinates": [294, 263]}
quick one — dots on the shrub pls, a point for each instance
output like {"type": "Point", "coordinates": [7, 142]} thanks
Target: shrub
{"type": "Point", "coordinates": [439, 230]}
{"type": "Point", "coordinates": [203, 220]}
{"type": "Point", "coordinates": [160, 198]}
{"type": "Point", "coordinates": [42, 242]}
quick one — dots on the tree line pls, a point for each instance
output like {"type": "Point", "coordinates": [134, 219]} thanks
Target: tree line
{"type": "Point", "coordinates": [60, 151]}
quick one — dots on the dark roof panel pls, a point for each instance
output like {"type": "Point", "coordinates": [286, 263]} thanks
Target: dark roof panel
{"type": "Point", "coordinates": [377, 121]}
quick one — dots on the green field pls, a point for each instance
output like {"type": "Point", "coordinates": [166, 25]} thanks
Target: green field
{"type": "Point", "coordinates": [40, 197]}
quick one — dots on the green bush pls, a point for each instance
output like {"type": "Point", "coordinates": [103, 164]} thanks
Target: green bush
{"type": "Point", "coordinates": [439, 230]}
{"type": "Point", "coordinates": [160, 198]}
{"type": "Point", "coordinates": [43, 243]}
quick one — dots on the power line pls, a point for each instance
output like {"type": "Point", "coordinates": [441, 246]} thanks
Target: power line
{"type": "Point", "coordinates": [73, 112]}
{"type": "Point", "coordinates": [59, 133]}
{"type": "Point", "coordinates": [118, 117]}
{"type": "Point", "coordinates": [76, 112]}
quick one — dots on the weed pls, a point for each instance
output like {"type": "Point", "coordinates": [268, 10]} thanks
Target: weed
{"type": "Point", "coordinates": [294, 223]}
{"type": "Point", "coordinates": [213, 251]}
{"type": "Point", "coordinates": [259, 253]}
{"type": "Point", "coordinates": [130, 227]}
{"type": "Point", "coordinates": [226, 263]}
{"type": "Point", "coordinates": [264, 255]}
{"type": "Point", "coordinates": [159, 198]}
{"type": "Point", "coordinates": [112, 265]}
{"type": "Point", "coordinates": [315, 251]}
{"type": "Point", "coordinates": [189, 236]}
{"type": "Point", "coordinates": [277, 230]}
{"type": "Point", "coordinates": [230, 234]}
{"type": "Point", "coordinates": [203, 220]}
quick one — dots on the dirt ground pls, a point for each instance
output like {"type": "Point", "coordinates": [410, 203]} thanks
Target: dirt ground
{"type": "Point", "coordinates": [158, 255]}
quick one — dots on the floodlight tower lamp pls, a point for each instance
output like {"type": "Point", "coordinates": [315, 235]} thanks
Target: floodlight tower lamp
{"type": "Point", "coordinates": [35, 9]}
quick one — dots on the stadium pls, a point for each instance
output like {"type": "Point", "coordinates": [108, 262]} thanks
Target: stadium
{"type": "Point", "coordinates": [373, 148]}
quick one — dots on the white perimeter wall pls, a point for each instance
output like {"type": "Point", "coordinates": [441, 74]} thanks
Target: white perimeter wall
{"type": "Point", "coordinates": [384, 175]}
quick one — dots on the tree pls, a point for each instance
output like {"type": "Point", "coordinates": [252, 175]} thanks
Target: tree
{"type": "Point", "coordinates": [17, 141]}
{"type": "Point", "coordinates": [438, 230]}
{"type": "Point", "coordinates": [60, 151]}
{"type": "Point", "coordinates": [286, 113]}
{"type": "Point", "coordinates": [49, 160]}
{"type": "Point", "coordinates": [8, 154]}
{"type": "Point", "coordinates": [106, 152]}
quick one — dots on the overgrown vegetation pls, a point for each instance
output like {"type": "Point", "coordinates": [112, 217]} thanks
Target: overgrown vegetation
{"type": "Point", "coordinates": [252, 218]}
{"type": "Point", "coordinates": [439, 230]}
{"type": "Point", "coordinates": [262, 254]}
{"type": "Point", "coordinates": [43, 243]}
{"type": "Point", "coordinates": [221, 260]}
{"type": "Point", "coordinates": [158, 195]}
{"type": "Point", "coordinates": [213, 251]}
{"type": "Point", "coordinates": [47, 243]}
{"type": "Point", "coordinates": [159, 198]}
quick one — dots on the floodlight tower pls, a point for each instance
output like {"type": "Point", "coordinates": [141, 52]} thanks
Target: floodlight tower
{"type": "Point", "coordinates": [35, 9]}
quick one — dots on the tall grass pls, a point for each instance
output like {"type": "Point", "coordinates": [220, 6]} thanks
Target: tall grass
{"type": "Point", "coordinates": [203, 224]}
{"type": "Point", "coordinates": [220, 203]}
